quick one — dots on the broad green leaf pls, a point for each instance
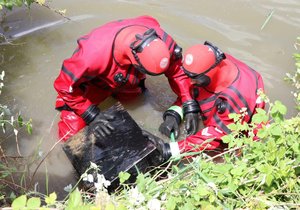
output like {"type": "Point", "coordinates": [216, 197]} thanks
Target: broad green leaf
{"type": "Point", "coordinates": [123, 176]}
{"type": "Point", "coordinates": [227, 138]}
{"type": "Point", "coordinates": [212, 198]}
{"type": "Point", "coordinates": [110, 206]}
{"type": "Point", "coordinates": [203, 191]}
{"type": "Point", "coordinates": [51, 199]}
{"type": "Point", "coordinates": [269, 179]}
{"type": "Point", "coordinates": [121, 207]}
{"type": "Point", "coordinates": [232, 126]}
{"type": "Point", "coordinates": [29, 128]}
{"type": "Point", "coordinates": [19, 202]}
{"type": "Point", "coordinates": [276, 130]}
{"type": "Point", "coordinates": [232, 186]}
{"type": "Point", "coordinates": [271, 144]}
{"type": "Point", "coordinates": [34, 203]}
{"type": "Point", "coordinates": [171, 203]}
{"type": "Point", "coordinates": [223, 168]}
{"type": "Point", "coordinates": [20, 121]}
{"type": "Point", "coordinates": [208, 207]}
{"type": "Point", "coordinates": [188, 206]}
{"type": "Point", "coordinates": [74, 200]}
{"type": "Point", "coordinates": [265, 168]}
{"type": "Point", "coordinates": [237, 171]}
{"type": "Point", "coordinates": [234, 116]}
{"type": "Point", "coordinates": [262, 133]}
{"type": "Point", "coordinates": [141, 182]}
{"type": "Point", "coordinates": [296, 147]}
{"type": "Point", "coordinates": [280, 107]}
{"type": "Point", "coordinates": [260, 116]}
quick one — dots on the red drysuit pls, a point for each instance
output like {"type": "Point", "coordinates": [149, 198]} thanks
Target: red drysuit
{"type": "Point", "coordinates": [92, 73]}
{"type": "Point", "coordinates": [241, 93]}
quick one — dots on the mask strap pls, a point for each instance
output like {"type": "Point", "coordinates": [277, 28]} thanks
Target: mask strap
{"type": "Point", "coordinates": [143, 40]}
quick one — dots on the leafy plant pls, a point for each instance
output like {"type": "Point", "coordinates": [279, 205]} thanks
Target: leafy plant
{"type": "Point", "coordinates": [9, 4]}
{"type": "Point", "coordinates": [7, 170]}
{"type": "Point", "coordinates": [294, 79]}
{"type": "Point", "coordinates": [259, 174]}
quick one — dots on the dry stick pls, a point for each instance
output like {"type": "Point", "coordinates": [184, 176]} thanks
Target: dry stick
{"type": "Point", "coordinates": [9, 184]}
{"type": "Point", "coordinates": [228, 151]}
{"type": "Point", "coordinates": [30, 184]}
{"type": "Point", "coordinates": [18, 148]}
{"type": "Point", "coordinates": [52, 123]}
{"type": "Point", "coordinates": [11, 157]}
{"type": "Point", "coordinates": [267, 20]}
{"type": "Point", "coordinates": [55, 10]}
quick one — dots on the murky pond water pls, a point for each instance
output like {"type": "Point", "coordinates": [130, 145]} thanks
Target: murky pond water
{"type": "Point", "coordinates": [44, 39]}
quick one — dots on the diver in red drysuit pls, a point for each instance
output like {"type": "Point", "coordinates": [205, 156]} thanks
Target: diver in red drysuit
{"type": "Point", "coordinates": [113, 60]}
{"type": "Point", "coordinates": [222, 85]}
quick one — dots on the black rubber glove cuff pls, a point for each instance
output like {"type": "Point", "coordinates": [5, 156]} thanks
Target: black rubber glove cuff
{"type": "Point", "coordinates": [191, 106]}
{"type": "Point", "coordinates": [167, 152]}
{"type": "Point", "coordinates": [173, 114]}
{"type": "Point", "coordinates": [89, 115]}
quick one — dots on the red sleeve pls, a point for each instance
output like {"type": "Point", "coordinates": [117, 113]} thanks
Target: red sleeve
{"type": "Point", "coordinates": [81, 67]}
{"type": "Point", "coordinates": [179, 82]}
{"type": "Point", "coordinates": [208, 138]}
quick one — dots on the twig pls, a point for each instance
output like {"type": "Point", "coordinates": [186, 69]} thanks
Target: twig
{"type": "Point", "coordinates": [11, 157]}
{"type": "Point", "coordinates": [55, 10]}
{"type": "Point", "coordinates": [267, 20]}
{"type": "Point", "coordinates": [228, 151]}
{"type": "Point", "coordinates": [60, 140]}
{"type": "Point", "coordinates": [52, 123]}
{"type": "Point", "coordinates": [10, 184]}
{"type": "Point", "coordinates": [18, 148]}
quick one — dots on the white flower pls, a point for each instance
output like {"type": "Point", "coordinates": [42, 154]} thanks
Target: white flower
{"type": "Point", "coordinates": [68, 188]}
{"type": "Point", "coordinates": [135, 197]}
{"type": "Point", "coordinates": [40, 153]}
{"type": "Point", "coordinates": [2, 75]}
{"type": "Point", "coordinates": [87, 177]}
{"type": "Point", "coordinates": [16, 132]}
{"type": "Point", "coordinates": [213, 186]}
{"type": "Point", "coordinates": [101, 183]}
{"type": "Point", "coordinates": [163, 197]}
{"type": "Point", "coordinates": [94, 166]}
{"type": "Point", "coordinates": [154, 204]}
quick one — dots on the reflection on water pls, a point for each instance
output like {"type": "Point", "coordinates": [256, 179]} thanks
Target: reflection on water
{"type": "Point", "coordinates": [44, 39]}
